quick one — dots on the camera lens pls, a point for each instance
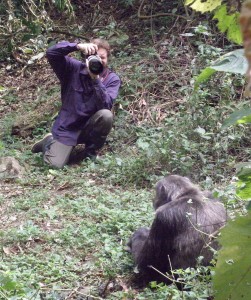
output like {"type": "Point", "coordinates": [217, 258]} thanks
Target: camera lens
{"type": "Point", "coordinates": [95, 64]}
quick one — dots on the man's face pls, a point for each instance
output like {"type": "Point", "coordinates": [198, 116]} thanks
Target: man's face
{"type": "Point", "coordinates": [102, 53]}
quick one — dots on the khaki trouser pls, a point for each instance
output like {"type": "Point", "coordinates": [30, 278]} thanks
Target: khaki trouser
{"type": "Point", "coordinates": [93, 134]}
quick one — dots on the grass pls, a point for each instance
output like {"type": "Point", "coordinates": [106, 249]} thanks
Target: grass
{"type": "Point", "coordinates": [58, 238]}
{"type": "Point", "coordinates": [65, 231]}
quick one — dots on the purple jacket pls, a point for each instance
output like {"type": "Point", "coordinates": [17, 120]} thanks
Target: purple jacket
{"type": "Point", "coordinates": [81, 96]}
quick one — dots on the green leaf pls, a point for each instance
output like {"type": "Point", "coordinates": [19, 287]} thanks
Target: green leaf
{"type": "Point", "coordinates": [27, 50]}
{"type": "Point", "coordinates": [53, 172]}
{"type": "Point", "coordinates": [203, 76]}
{"type": "Point", "coordinates": [221, 16]}
{"type": "Point", "coordinates": [142, 144]}
{"type": "Point", "coordinates": [244, 184]}
{"type": "Point", "coordinates": [232, 62]}
{"type": "Point", "coordinates": [232, 278]}
{"type": "Point", "coordinates": [243, 168]}
{"type": "Point", "coordinates": [6, 283]}
{"type": "Point", "coordinates": [234, 33]}
{"type": "Point", "coordinates": [236, 116]}
{"type": "Point", "coordinates": [229, 24]}
{"type": "Point", "coordinates": [36, 57]}
{"type": "Point", "coordinates": [244, 120]}
{"type": "Point", "coordinates": [203, 6]}
{"type": "Point", "coordinates": [119, 38]}
{"type": "Point", "coordinates": [200, 130]}
{"type": "Point", "coordinates": [119, 161]}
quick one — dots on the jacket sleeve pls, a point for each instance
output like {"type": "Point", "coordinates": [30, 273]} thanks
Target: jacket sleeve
{"type": "Point", "coordinates": [106, 94]}
{"type": "Point", "coordinates": [58, 59]}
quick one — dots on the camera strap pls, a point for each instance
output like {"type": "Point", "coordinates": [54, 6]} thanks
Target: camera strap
{"type": "Point", "coordinates": [104, 76]}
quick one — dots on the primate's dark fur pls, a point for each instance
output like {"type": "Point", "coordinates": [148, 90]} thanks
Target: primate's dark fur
{"type": "Point", "coordinates": [181, 229]}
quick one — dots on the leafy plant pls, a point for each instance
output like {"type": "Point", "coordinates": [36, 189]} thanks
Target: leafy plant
{"type": "Point", "coordinates": [242, 116]}
{"type": "Point", "coordinates": [14, 290]}
{"type": "Point", "coordinates": [196, 286]}
{"type": "Point", "coordinates": [203, 6]}
{"type": "Point", "coordinates": [232, 62]}
{"type": "Point", "coordinates": [23, 23]}
{"type": "Point", "coordinates": [64, 4]}
{"type": "Point", "coordinates": [227, 22]}
{"type": "Point", "coordinates": [233, 267]}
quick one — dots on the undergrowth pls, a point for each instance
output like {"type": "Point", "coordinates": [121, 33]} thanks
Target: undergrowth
{"type": "Point", "coordinates": [63, 232]}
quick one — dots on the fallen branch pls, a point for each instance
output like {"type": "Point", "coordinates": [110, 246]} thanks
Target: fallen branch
{"type": "Point", "coordinates": [68, 33]}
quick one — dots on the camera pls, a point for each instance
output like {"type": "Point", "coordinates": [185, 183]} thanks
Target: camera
{"type": "Point", "coordinates": [95, 64]}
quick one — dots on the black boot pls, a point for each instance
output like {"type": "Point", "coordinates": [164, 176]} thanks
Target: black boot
{"type": "Point", "coordinates": [40, 145]}
{"type": "Point", "coordinates": [93, 142]}
{"type": "Point", "coordinates": [91, 152]}
{"type": "Point", "coordinates": [80, 153]}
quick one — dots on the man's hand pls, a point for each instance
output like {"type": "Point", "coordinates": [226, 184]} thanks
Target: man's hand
{"type": "Point", "coordinates": [93, 76]}
{"type": "Point", "coordinates": [87, 48]}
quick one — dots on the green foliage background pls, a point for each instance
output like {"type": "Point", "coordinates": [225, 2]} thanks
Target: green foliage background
{"type": "Point", "coordinates": [228, 22]}
{"type": "Point", "coordinates": [232, 278]}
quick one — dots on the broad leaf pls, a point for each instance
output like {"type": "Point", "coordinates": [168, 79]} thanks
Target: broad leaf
{"type": "Point", "coordinates": [244, 120]}
{"type": "Point", "coordinates": [232, 278]}
{"type": "Point", "coordinates": [6, 283]}
{"type": "Point", "coordinates": [243, 168]}
{"type": "Point", "coordinates": [203, 6]}
{"type": "Point", "coordinates": [36, 57]}
{"type": "Point", "coordinates": [236, 116]}
{"type": "Point", "coordinates": [229, 24]}
{"type": "Point", "coordinates": [232, 62]}
{"type": "Point", "coordinates": [244, 184]}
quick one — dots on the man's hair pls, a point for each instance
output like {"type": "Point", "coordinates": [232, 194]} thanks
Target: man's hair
{"type": "Point", "coordinates": [102, 44]}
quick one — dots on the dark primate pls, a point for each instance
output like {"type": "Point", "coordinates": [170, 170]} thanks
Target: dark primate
{"type": "Point", "coordinates": [184, 228]}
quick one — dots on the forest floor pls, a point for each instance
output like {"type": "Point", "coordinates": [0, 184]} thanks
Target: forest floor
{"type": "Point", "coordinates": [63, 232]}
